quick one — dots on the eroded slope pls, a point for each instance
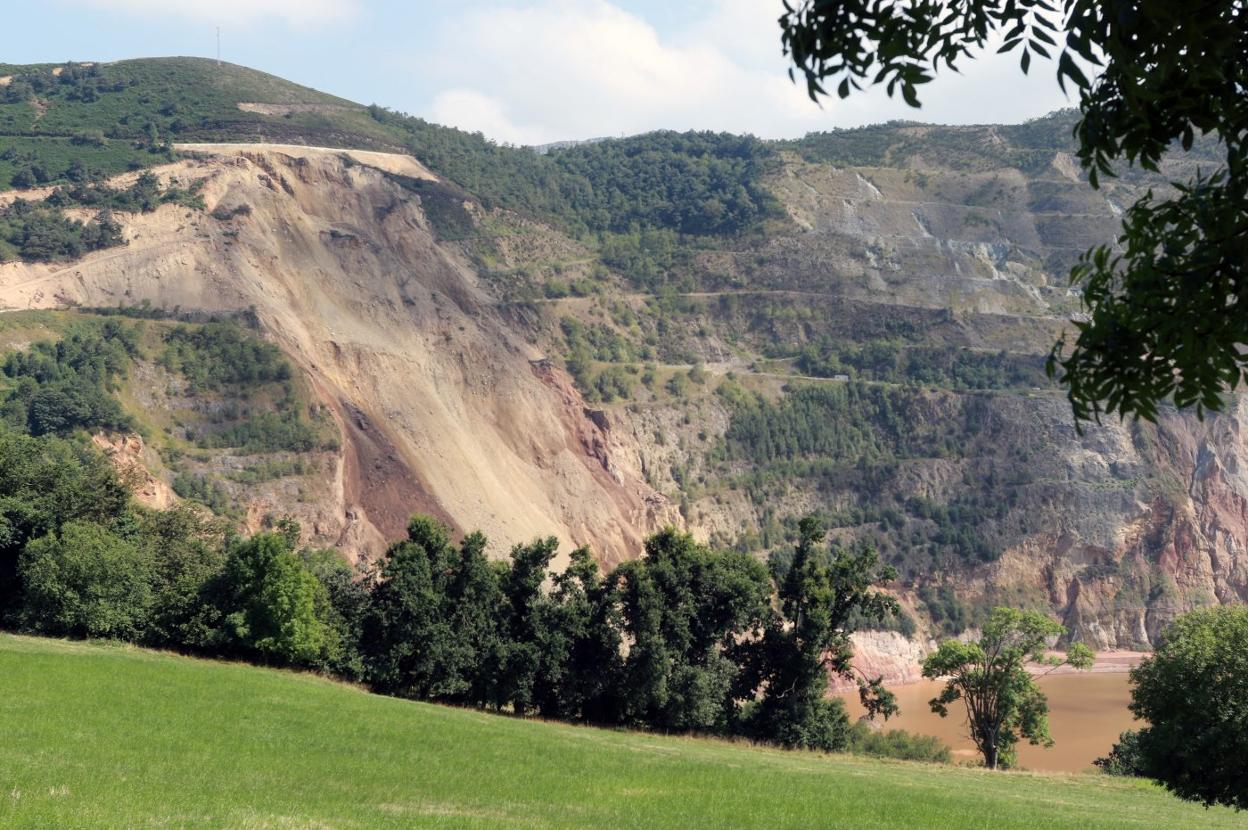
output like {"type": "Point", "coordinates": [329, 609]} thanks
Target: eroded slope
{"type": "Point", "coordinates": [441, 409]}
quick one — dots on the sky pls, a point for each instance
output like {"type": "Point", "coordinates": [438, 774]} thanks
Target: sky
{"type": "Point", "coordinates": [524, 72]}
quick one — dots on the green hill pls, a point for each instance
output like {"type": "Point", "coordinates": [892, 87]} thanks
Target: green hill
{"type": "Point", "coordinates": [109, 736]}
{"type": "Point", "coordinates": [119, 116]}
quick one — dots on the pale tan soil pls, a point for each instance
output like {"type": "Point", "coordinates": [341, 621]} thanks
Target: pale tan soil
{"type": "Point", "coordinates": [1106, 662]}
{"type": "Point", "coordinates": [290, 109]}
{"type": "Point", "coordinates": [389, 162]}
{"type": "Point", "coordinates": [438, 405]}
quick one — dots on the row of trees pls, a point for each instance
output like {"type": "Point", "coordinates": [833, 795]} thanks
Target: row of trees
{"type": "Point", "coordinates": [895, 362]}
{"type": "Point", "coordinates": [685, 639]}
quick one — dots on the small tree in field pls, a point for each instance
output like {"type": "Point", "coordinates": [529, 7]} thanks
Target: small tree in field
{"type": "Point", "coordinates": [1003, 702]}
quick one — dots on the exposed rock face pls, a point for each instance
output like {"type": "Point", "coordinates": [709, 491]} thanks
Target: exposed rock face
{"type": "Point", "coordinates": [437, 406]}
{"type": "Point", "coordinates": [1117, 530]}
{"type": "Point", "coordinates": [134, 464]}
{"type": "Point", "coordinates": [888, 655]}
{"type": "Point", "coordinates": [1184, 547]}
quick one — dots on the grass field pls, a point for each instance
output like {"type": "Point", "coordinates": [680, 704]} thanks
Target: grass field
{"type": "Point", "coordinates": [110, 736]}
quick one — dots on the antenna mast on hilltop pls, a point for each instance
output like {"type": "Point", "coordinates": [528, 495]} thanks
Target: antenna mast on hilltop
{"type": "Point", "coordinates": [218, 46]}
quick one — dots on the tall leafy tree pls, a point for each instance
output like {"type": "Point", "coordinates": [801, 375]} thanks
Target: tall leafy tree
{"type": "Point", "coordinates": [1193, 692]}
{"type": "Point", "coordinates": [432, 625]}
{"type": "Point", "coordinates": [187, 554]}
{"type": "Point", "coordinates": [684, 607]}
{"type": "Point", "coordinates": [990, 677]}
{"type": "Point", "coordinates": [348, 593]}
{"type": "Point", "coordinates": [583, 646]}
{"type": "Point", "coordinates": [530, 649]}
{"type": "Point", "coordinates": [821, 595]}
{"type": "Point", "coordinates": [273, 608]}
{"type": "Point", "coordinates": [1165, 316]}
{"type": "Point", "coordinates": [86, 581]}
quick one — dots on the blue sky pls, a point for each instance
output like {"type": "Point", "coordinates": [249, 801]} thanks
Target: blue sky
{"type": "Point", "coordinates": [522, 72]}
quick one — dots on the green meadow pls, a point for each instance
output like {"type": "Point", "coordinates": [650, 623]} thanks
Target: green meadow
{"type": "Point", "coordinates": [109, 736]}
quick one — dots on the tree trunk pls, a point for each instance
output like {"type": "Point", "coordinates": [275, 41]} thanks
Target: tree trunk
{"type": "Point", "coordinates": [990, 756]}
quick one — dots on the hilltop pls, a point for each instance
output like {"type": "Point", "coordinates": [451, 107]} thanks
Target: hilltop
{"type": "Point", "coordinates": [277, 749]}
{"type": "Point", "coordinates": [596, 341]}
{"type": "Point", "coordinates": [97, 112]}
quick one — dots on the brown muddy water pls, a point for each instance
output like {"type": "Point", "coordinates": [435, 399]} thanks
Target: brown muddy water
{"type": "Point", "coordinates": [1087, 712]}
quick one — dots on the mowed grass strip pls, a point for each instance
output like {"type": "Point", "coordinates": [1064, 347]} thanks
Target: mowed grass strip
{"type": "Point", "coordinates": [104, 736]}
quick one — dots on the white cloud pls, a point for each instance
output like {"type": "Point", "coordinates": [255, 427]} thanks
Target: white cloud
{"type": "Point", "coordinates": [297, 13]}
{"type": "Point", "coordinates": [565, 69]}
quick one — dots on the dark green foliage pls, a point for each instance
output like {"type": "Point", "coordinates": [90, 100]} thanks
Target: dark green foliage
{"type": "Point", "coordinates": [66, 385]}
{"type": "Point", "coordinates": [845, 422]}
{"type": "Point", "coordinates": [647, 256]}
{"type": "Point", "coordinates": [683, 608]}
{"type": "Point", "coordinates": [897, 743]}
{"type": "Point", "coordinates": [1125, 757]}
{"type": "Point", "coordinates": [85, 581]}
{"type": "Point", "coordinates": [810, 639]}
{"type": "Point", "coordinates": [267, 432]}
{"type": "Point", "coordinates": [1193, 693]}
{"type": "Point", "coordinates": [40, 231]}
{"type": "Point", "coordinates": [431, 624]}
{"type": "Point", "coordinates": [44, 483]}
{"type": "Point", "coordinates": [138, 106]}
{"type": "Point", "coordinates": [527, 656]}
{"type": "Point", "coordinates": [703, 638]}
{"type": "Point", "coordinates": [597, 342]}
{"type": "Point", "coordinates": [77, 559]}
{"type": "Point", "coordinates": [186, 551]}
{"type": "Point", "coordinates": [222, 355]}
{"type": "Point", "coordinates": [692, 183]}
{"type": "Point", "coordinates": [960, 369]}
{"type": "Point", "coordinates": [204, 488]}
{"type": "Point", "coordinates": [32, 160]}
{"type": "Point", "coordinates": [144, 196]}
{"type": "Point", "coordinates": [272, 607]}
{"type": "Point", "coordinates": [141, 311]}
{"type": "Point", "coordinates": [696, 183]}
{"type": "Point", "coordinates": [582, 646]}
{"type": "Point", "coordinates": [854, 437]}
{"type": "Point", "coordinates": [1164, 317]}
{"type": "Point", "coordinates": [348, 597]}
{"type": "Point", "coordinates": [1029, 146]}
{"type": "Point", "coordinates": [944, 608]}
